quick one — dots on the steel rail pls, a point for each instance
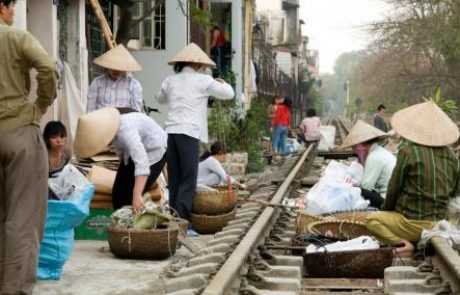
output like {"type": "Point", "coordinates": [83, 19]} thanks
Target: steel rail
{"type": "Point", "coordinates": [226, 279]}
{"type": "Point", "coordinates": [448, 262]}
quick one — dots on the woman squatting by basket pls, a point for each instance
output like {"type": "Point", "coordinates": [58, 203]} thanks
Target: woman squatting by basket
{"type": "Point", "coordinates": [186, 93]}
{"type": "Point", "coordinates": [210, 170]}
{"type": "Point", "coordinates": [139, 142]}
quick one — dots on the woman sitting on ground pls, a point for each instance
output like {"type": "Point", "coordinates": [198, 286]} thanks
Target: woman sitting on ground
{"type": "Point", "coordinates": [55, 136]}
{"type": "Point", "coordinates": [379, 163]}
{"type": "Point", "coordinates": [310, 128]}
{"type": "Point", "coordinates": [210, 170]}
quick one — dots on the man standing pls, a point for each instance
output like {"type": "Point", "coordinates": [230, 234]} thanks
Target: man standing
{"type": "Point", "coordinates": [116, 88]}
{"type": "Point", "coordinates": [23, 155]}
{"type": "Point", "coordinates": [379, 122]}
{"type": "Point", "coordinates": [425, 178]}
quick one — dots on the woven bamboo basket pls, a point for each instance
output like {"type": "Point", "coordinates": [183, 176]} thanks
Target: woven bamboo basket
{"type": "Point", "coordinates": [143, 244]}
{"type": "Point", "coordinates": [214, 203]}
{"type": "Point", "coordinates": [182, 225]}
{"type": "Point", "coordinates": [348, 264]}
{"type": "Point", "coordinates": [339, 229]}
{"type": "Point", "coordinates": [303, 220]}
{"type": "Point", "coordinates": [210, 224]}
{"type": "Point", "coordinates": [355, 216]}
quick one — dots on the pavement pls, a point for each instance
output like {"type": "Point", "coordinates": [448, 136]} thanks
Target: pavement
{"type": "Point", "coordinates": [93, 269]}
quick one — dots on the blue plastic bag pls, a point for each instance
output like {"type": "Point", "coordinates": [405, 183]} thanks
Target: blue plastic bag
{"type": "Point", "coordinates": [58, 240]}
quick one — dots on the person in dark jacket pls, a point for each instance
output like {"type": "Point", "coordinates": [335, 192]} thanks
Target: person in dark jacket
{"type": "Point", "coordinates": [379, 122]}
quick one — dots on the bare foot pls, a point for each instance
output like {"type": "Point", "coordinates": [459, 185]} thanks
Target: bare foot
{"type": "Point", "coordinates": [406, 251]}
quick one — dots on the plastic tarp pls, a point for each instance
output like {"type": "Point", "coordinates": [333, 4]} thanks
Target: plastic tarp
{"type": "Point", "coordinates": [58, 240]}
{"type": "Point", "coordinates": [71, 105]}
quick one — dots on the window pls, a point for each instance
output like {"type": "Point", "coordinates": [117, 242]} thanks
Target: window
{"type": "Point", "coordinates": [149, 24]}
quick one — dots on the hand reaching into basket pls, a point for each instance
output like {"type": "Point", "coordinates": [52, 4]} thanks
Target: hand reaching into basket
{"type": "Point", "coordinates": [138, 203]}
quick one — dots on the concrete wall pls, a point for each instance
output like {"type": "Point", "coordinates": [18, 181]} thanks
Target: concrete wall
{"type": "Point", "coordinates": [154, 62]}
{"type": "Point", "coordinates": [284, 62]}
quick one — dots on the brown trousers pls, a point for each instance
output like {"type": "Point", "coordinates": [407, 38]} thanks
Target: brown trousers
{"type": "Point", "coordinates": [23, 206]}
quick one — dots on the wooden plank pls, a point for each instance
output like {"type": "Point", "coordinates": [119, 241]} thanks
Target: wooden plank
{"type": "Point", "coordinates": [341, 283]}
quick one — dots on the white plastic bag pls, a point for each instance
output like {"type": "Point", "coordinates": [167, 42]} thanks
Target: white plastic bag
{"type": "Point", "coordinates": [69, 183]}
{"type": "Point", "coordinates": [327, 140]}
{"type": "Point", "coordinates": [360, 243]}
{"type": "Point", "coordinates": [336, 190]}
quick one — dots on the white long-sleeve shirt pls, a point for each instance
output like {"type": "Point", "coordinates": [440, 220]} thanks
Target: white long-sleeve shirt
{"type": "Point", "coordinates": [141, 139]}
{"type": "Point", "coordinates": [378, 169]}
{"type": "Point", "coordinates": [211, 172]}
{"type": "Point", "coordinates": [186, 94]}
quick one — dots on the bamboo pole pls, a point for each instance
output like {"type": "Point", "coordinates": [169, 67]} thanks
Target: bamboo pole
{"type": "Point", "coordinates": [103, 23]}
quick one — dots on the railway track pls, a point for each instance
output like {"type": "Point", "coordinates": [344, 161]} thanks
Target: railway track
{"type": "Point", "coordinates": [237, 261]}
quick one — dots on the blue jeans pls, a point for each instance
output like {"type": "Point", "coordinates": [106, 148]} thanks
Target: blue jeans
{"type": "Point", "coordinates": [279, 137]}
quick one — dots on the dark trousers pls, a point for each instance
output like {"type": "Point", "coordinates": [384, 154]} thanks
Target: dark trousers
{"type": "Point", "coordinates": [183, 159]}
{"type": "Point", "coordinates": [122, 192]}
{"type": "Point", "coordinates": [23, 206]}
{"type": "Point", "coordinates": [375, 198]}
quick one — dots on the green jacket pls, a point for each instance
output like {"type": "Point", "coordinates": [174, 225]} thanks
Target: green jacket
{"type": "Point", "coordinates": [19, 52]}
{"type": "Point", "coordinates": [423, 182]}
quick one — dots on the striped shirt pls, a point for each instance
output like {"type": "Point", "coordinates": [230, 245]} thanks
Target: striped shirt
{"type": "Point", "coordinates": [423, 181]}
{"type": "Point", "coordinates": [141, 139]}
{"type": "Point", "coordinates": [125, 92]}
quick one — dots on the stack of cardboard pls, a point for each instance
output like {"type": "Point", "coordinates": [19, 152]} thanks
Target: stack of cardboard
{"type": "Point", "coordinates": [103, 180]}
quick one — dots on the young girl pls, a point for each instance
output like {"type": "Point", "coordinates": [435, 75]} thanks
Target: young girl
{"type": "Point", "coordinates": [210, 170]}
{"type": "Point", "coordinates": [281, 125]}
{"type": "Point", "coordinates": [55, 135]}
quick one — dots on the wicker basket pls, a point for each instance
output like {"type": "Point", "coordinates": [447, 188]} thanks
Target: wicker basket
{"type": "Point", "coordinates": [348, 264]}
{"type": "Point", "coordinates": [142, 244]}
{"type": "Point", "coordinates": [213, 203]}
{"type": "Point", "coordinates": [183, 227]}
{"type": "Point", "coordinates": [355, 216]}
{"type": "Point", "coordinates": [339, 229]}
{"type": "Point", "coordinates": [303, 220]}
{"type": "Point", "coordinates": [210, 224]}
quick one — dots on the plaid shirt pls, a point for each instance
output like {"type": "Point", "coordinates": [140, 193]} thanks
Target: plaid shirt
{"type": "Point", "coordinates": [125, 92]}
{"type": "Point", "coordinates": [423, 181]}
{"type": "Point", "coordinates": [141, 139]}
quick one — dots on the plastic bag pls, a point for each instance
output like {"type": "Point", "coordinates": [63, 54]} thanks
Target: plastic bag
{"type": "Point", "coordinates": [69, 183]}
{"type": "Point", "coordinates": [336, 190]}
{"type": "Point", "coordinates": [360, 243]}
{"type": "Point", "coordinates": [58, 239]}
{"type": "Point", "coordinates": [327, 140]}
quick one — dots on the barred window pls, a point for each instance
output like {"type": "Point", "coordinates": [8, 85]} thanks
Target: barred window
{"type": "Point", "coordinates": [150, 24]}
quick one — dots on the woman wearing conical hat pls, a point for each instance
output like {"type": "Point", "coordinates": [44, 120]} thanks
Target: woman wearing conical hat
{"type": "Point", "coordinates": [425, 177]}
{"type": "Point", "coordinates": [116, 88]}
{"type": "Point", "coordinates": [138, 140]}
{"type": "Point", "coordinates": [379, 162]}
{"type": "Point", "coordinates": [186, 93]}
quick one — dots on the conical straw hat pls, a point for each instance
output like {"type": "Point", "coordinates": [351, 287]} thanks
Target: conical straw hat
{"type": "Point", "coordinates": [425, 124]}
{"type": "Point", "coordinates": [118, 59]}
{"type": "Point", "coordinates": [95, 131]}
{"type": "Point", "coordinates": [192, 53]}
{"type": "Point", "coordinates": [360, 133]}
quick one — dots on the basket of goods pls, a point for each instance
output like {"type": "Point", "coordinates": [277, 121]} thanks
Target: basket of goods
{"type": "Point", "coordinates": [356, 215]}
{"type": "Point", "coordinates": [303, 220]}
{"type": "Point", "coordinates": [339, 229]}
{"type": "Point", "coordinates": [210, 224]}
{"type": "Point", "coordinates": [349, 264]}
{"type": "Point", "coordinates": [150, 234]}
{"type": "Point", "coordinates": [216, 200]}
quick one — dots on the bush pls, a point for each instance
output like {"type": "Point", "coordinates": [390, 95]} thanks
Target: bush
{"type": "Point", "coordinates": [240, 131]}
